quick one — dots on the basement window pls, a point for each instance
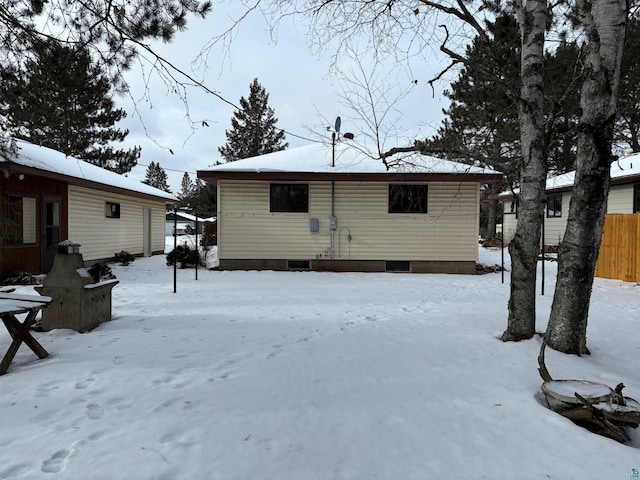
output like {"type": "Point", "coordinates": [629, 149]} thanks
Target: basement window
{"type": "Point", "coordinates": [112, 210]}
{"type": "Point", "coordinates": [298, 265]}
{"type": "Point", "coordinates": [398, 266]}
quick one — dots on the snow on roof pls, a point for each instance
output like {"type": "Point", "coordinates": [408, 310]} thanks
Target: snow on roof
{"type": "Point", "coordinates": [620, 169]}
{"type": "Point", "coordinates": [349, 159]}
{"type": "Point", "coordinates": [49, 160]}
{"type": "Point", "coordinates": [191, 217]}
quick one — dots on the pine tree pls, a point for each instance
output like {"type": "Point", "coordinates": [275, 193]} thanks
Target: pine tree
{"type": "Point", "coordinates": [155, 176]}
{"type": "Point", "coordinates": [204, 199]}
{"type": "Point", "coordinates": [628, 125]}
{"type": "Point", "coordinates": [61, 99]}
{"type": "Point", "coordinates": [187, 189]}
{"type": "Point", "coordinates": [254, 129]}
{"type": "Point", "coordinates": [482, 120]}
{"type": "Point", "coordinates": [482, 123]}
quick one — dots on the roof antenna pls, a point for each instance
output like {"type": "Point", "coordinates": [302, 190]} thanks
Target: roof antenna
{"type": "Point", "coordinates": [334, 134]}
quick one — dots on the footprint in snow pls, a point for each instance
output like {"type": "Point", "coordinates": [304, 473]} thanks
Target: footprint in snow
{"type": "Point", "coordinates": [57, 462]}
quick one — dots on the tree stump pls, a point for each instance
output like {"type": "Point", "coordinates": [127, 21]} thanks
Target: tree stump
{"type": "Point", "coordinates": [595, 406]}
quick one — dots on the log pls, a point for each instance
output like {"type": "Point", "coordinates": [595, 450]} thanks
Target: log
{"type": "Point", "coordinates": [542, 368]}
{"type": "Point", "coordinates": [600, 424]}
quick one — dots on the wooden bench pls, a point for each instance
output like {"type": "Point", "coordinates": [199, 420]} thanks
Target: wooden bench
{"type": "Point", "coordinates": [12, 305]}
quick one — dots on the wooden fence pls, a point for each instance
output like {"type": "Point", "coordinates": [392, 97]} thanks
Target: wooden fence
{"type": "Point", "coordinates": [619, 257]}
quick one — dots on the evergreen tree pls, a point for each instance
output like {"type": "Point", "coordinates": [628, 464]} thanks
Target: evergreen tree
{"type": "Point", "coordinates": [482, 120]}
{"type": "Point", "coordinates": [628, 125]}
{"type": "Point", "coordinates": [482, 123]}
{"type": "Point", "coordinates": [187, 189]}
{"type": "Point", "coordinates": [204, 199]}
{"type": "Point", "coordinates": [61, 99]}
{"type": "Point", "coordinates": [254, 129]}
{"type": "Point", "coordinates": [156, 177]}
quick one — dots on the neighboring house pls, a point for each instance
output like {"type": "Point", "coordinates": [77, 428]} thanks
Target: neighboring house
{"type": "Point", "coordinates": [624, 197]}
{"type": "Point", "coordinates": [294, 210]}
{"type": "Point", "coordinates": [184, 223]}
{"type": "Point", "coordinates": [48, 197]}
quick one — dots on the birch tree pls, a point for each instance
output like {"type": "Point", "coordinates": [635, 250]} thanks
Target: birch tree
{"type": "Point", "coordinates": [521, 322]}
{"type": "Point", "coordinates": [604, 24]}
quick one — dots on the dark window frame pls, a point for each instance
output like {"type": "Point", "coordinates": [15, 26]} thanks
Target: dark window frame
{"type": "Point", "coordinates": [409, 198]}
{"type": "Point", "coordinates": [15, 219]}
{"type": "Point", "coordinates": [289, 197]}
{"type": "Point", "coordinates": [555, 202]}
{"type": "Point", "coordinates": [112, 210]}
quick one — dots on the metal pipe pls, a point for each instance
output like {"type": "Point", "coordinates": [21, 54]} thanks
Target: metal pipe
{"type": "Point", "coordinates": [175, 245]}
{"type": "Point", "coordinates": [197, 251]}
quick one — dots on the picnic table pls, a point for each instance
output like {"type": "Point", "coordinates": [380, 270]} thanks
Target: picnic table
{"type": "Point", "coordinates": [12, 305]}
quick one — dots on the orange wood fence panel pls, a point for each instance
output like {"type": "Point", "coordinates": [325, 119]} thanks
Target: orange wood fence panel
{"type": "Point", "coordinates": [619, 258]}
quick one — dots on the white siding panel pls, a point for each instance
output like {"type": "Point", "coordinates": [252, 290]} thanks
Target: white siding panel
{"type": "Point", "coordinates": [247, 230]}
{"type": "Point", "coordinates": [620, 199]}
{"type": "Point", "coordinates": [102, 237]}
{"type": "Point", "coordinates": [554, 227]}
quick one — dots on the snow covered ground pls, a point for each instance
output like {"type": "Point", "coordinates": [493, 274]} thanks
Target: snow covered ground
{"type": "Point", "coordinates": [311, 376]}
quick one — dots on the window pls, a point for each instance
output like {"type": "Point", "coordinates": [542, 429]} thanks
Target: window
{"type": "Point", "coordinates": [554, 206]}
{"type": "Point", "coordinates": [397, 266]}
{"type": "Point", "coordinates": [636, 198]}
{"type": "Point", "coordinates": [298, 265]}
{"type": "Point", "coordinates": [21, 220]}
{"type": "Point", "coordinates": [408, 198]}
{"type": "Point", "coordinates": [289, 197]}
{"type": "Point", "coordinates": [112, 210]}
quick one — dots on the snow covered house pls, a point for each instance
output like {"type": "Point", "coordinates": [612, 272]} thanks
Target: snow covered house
{"type": "Point", "coordinates": [48, 197]}
{"type": "Point", "coordinates": [311, 208]}
{"type": "Point", "coordinates": [624, 197]}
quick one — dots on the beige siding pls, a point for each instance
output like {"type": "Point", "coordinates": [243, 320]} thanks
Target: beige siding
{"type": "Point", "coordinates": [366, 231]}
{"type": "Point", "coordinates": [554, 227]}
{"type": "Point", "coordinates": [29, 220]}
{"type": "Point", "coordinates": [509, 221]}
{"type": "Point", "coordinates": [620, 199]}
{"type": "Point", "coordinates": [102, 237]}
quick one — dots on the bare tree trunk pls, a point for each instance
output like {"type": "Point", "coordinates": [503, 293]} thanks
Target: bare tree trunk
{"type": "Point", "coordinates": [524, 248]}
{"type": "Point", "coordinates": [604, 22]}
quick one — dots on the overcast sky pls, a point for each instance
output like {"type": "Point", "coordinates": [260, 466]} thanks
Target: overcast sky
{"type": "Point", "coordinates": [302, 90]}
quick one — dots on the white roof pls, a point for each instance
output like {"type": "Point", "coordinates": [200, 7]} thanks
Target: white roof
{"type": "Point", "coordinates": [621, 168]}
{"type": "Point", "coordinates": [349, 158]}
{"type": "Point", "coordinates": [49, 160]}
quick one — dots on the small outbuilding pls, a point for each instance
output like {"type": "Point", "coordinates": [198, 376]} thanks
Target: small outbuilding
{"type": "Point", "coordinates": [48, 197]}
{"type": "Point", "coordinates": [182, 223]}
{"type": "Point", "coordinates": [322, 208]}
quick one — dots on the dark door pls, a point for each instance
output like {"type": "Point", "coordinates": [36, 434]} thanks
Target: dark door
{"type": "Point", "coordinates": [51, 219]}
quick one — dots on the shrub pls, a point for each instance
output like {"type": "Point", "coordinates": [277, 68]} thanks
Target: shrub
{"type": "Point", "coordinates": [101, 271]}
{"type": "Point", "coordinates": [183, 256]}
{"type": "Point", "coordinates": [123, 258]}
{"type": "Point", "coordinates": [209, 238]}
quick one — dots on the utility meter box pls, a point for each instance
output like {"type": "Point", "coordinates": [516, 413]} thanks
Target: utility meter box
{"type": "Point", "coordinates": [333, 222]}
{"type": "Point", "coordinates": [314, 224]}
